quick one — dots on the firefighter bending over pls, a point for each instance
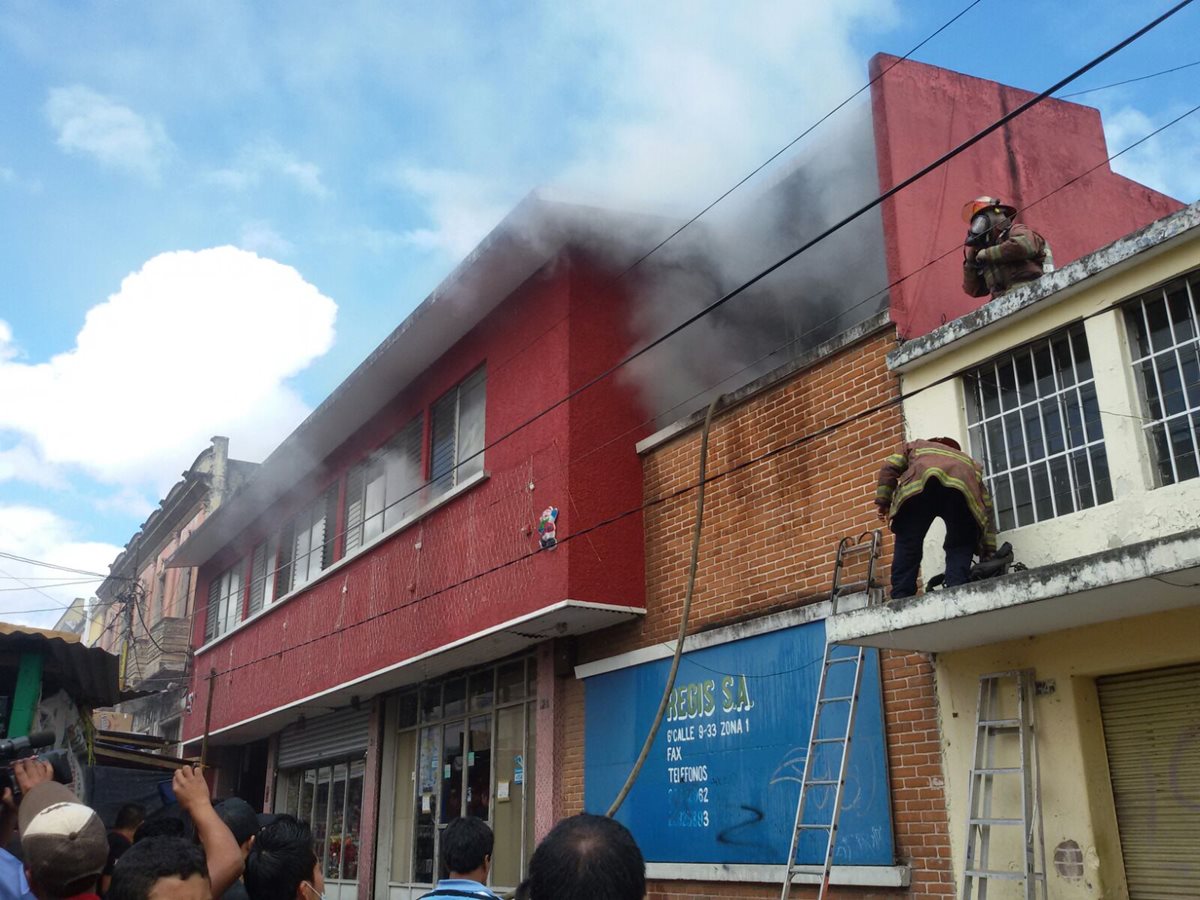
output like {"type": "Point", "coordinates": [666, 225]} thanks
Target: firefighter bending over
{"type": "Point", "coordinates": [929, 480]}
{"type": "Point", "coordinates": [998, 253]}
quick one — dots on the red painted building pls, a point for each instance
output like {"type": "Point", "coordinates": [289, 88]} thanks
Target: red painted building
{"type": "Point", "coordinates": [386, 645]}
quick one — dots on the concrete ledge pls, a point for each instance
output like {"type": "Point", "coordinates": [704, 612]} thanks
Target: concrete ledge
{"type": "Point", "coordinates": [854, 876]}
{"type": "Point", "coordinates": [1134, 580]}
{"type": "Point", "coordinates": [1107, 261]}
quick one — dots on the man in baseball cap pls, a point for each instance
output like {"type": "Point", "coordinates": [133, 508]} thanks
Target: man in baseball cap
{"type": "Point", "coordinates": [64, 843]}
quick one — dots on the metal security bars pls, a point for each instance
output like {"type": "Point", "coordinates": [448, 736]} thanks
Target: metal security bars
{"type": "Point", "coordinates": [1164, 331]}
{"type": "Point", "coordinates": [1034, 421]}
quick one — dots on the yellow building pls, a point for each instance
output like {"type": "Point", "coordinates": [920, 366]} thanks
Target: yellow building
{"type": "Point", "coordinates": [1080, 393]}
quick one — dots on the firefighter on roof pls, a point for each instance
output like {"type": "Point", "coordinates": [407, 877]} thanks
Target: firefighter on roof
{"type": "Point", "coordinates": [998, 253]}
{"type": "Point", "coordinates": [928, 480]}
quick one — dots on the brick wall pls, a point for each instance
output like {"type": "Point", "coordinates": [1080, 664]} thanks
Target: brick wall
{"type": "Point", "coordinates": [770, 537]}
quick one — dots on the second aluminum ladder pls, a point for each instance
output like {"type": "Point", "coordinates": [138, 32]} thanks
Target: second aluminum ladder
{"type": "Point", "coordinates": [1005, 758]}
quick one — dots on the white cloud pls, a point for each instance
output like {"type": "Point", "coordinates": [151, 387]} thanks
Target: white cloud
{"type": "Point", "coordinates": [22, 463]}
{"type": "Point", "coordinates": [193, 344]}
{"type": "Point", "coordinates": [94, 125]}
{"type": "Point", "coordinates": [260, 237]}
{"type": "Point", "coordinates": [462, 208]}
{"type": "Point", "coordinates": [39, 534]}
{"type": "Point", "coordinates": [1165, 162]}
{"type": "Point", "coordinates": [267, 158]}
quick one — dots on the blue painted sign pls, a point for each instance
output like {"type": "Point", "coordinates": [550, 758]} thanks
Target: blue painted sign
{"type": "Point", "coordinates": [722, 780]}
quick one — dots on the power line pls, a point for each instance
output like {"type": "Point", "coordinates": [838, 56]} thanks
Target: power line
{"type": "Point", "coordinates": [900, 398]}
{"type": "Point", "coordinates": [1105, 87]}
{"type": "Point", "coordinates": [956, 248]}
{"type": "Point", "coordinates": [778, 153]}
{"type": "Point", "coordinates": [832, 229]}
{"type": "Point", "coordinates": [38, 588]}
{"type": "Point", "coordinates": [49, 565]}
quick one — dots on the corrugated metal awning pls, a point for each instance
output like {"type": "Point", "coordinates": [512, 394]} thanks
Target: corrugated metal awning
{"type": "Point", "coordinates": [89, 675]}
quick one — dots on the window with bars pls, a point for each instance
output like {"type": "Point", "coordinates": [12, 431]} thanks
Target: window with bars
{"type": "Point", "coordinates": [1035, 424]}
{"type": "Point", "coordinates": [384, 490]}
{"type": "Point", "coordinates": [224, 602]}
{"type": "Point", "coordinates": [1164, 331]}
{"type": "Point", "coordinates": [456, 442]}
{"type": "Point", "coordinates": [306, 545]}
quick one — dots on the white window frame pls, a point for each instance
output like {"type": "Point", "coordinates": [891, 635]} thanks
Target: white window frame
{"type": "Point", "coordinates": [223, 591]}
{"type": "Point", "coordinates": [384, 490]}
{"type": "Point", "coordinates": [459, 419]}
{"type": "Point", "coordinates": [1173, 437]}
{"type": "Point", "coordinates": [311, 543]}
{"type": "Point", "coordinates": [1029, 478]}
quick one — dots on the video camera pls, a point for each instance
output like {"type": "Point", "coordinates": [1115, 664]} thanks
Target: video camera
{"type": "Point", "coordinates": [19, 748]}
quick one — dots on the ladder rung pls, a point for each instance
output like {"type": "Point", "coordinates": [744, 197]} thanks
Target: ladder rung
{"type": "Point", "coordinates": [993, 873]}
{"type": "Point", "coordinates": [836, 699]}
{"type": "Point", "coordinates": [821, 782]}
{"type": "Point", "coordinates": [999, 723]}
{"type": "Point", "coordinates": [840, 740]}
{"type": "Point", "coordinates": [987, 822]}
{"type": "Point", "coordinates": [841, 659]}
{"type": "Point", "coordinates": [808, 825]}
{"type": "Point", "coordinates": [1007, 770]}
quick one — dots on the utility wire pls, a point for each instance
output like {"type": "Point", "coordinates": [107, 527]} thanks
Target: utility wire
{"type": "Point", "coordinates": [49, 565]}
{"type": "Point", "coordinates": [1105, 87]}
{"type": "Point", "coordinates": [807, 245]}
{"type": "Point", "coordinates": [790, 444]}
{"type": "Point", "coordinates": [788, 146]}
{"type": "Point", "coordinates": [725, 298]}
{"type": "Point", "coordinates": [782, 347]}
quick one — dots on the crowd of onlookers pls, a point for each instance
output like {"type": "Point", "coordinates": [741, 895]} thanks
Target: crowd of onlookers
{"type": "Point", "coordinates": [229, 851]}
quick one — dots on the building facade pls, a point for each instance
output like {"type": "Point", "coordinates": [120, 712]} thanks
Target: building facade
{"type": "Point", "coordinates": [452, 589]}
{"type": "Point", "coordinates": [1081, 394]}
{"type": "Point", "coordinates": [143, 611]}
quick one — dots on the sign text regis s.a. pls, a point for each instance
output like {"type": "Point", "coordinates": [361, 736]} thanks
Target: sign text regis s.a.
{"type": "Point", "coordinates": [692, 716]}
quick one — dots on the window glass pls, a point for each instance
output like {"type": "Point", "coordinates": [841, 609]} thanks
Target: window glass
{"type": "Point", "coordinates": [224, 602]}
{"type": "Point", "coordinates": [312, 541]}
{"type": "Point", "coordinates": [384, 490]}
{"type": "Point", "coordinates": [1035, 423]}
{"type": "Point", "coordinates": [329, 798]}
{"type": "Point", "coordinates": [472, 754]}
{"type": "Point", "coordinates": [457, 434]}
{"type": "Point", "coordinates": [1163, 327]}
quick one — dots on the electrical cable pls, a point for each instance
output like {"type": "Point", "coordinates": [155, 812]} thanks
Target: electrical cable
{"type": "Point", "coordinates": [900, 398]}
{"type": "Point", "coordinates": [808, 244]}
{"type": "Point", "coordinates": [1105, 87]}
{"type": "Point", "coordinates": [819, 325]}
{"type": "Point", "coordinates": [790, 444]}
{"type": "Point", "coordinates": [697, 530]}
{"type": "Point", "coordinates": [788, 146]}
{"type": "Point", "coordinates": [49, 565]}
{"type": "Point", "coordinates": [137, 606]}
{"type": "Point", "coordinates": [38, 588]}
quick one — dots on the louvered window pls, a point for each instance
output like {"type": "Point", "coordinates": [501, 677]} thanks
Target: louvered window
{"type": "Point", "coordinates": [262, 575]}
{"type": "Point", "coordinates": [312, 537]}
{"type": "Point", "coordinates": [385, 489]}
{"type": "Point", "coordinates": [456, 443]}
{"type": "Point", "coordinates": [224, 602]}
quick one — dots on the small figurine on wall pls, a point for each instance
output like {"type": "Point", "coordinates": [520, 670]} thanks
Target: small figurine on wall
{"type": "Point", "coordinates": [546, 528]}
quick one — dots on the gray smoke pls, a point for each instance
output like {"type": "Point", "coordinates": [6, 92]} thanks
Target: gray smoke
{"type": "Point", "coordinates": [821, 293]}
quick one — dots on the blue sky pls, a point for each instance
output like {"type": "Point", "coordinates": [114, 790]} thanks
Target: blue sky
{"type": "Point", "coordinates": [346, 155]}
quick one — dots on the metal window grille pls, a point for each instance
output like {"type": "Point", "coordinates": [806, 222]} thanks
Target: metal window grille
{"type": "Point", "coordinates": [1164, 331]}
{"type": "Point", "coordinates": [1034, 421]}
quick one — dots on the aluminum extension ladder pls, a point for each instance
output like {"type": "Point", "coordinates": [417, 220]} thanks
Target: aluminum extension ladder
{"type": "Point", "coordinates": [839, 692]}
{"type": "Point", "coordinates": [996, 722]}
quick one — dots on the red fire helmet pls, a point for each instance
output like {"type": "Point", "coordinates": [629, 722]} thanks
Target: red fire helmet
{"type": "Point", "coordinates": [979, 204]}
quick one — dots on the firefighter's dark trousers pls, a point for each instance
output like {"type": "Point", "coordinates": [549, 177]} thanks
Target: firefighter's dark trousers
{"type": "Point", "coordinates": [910, 526]}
